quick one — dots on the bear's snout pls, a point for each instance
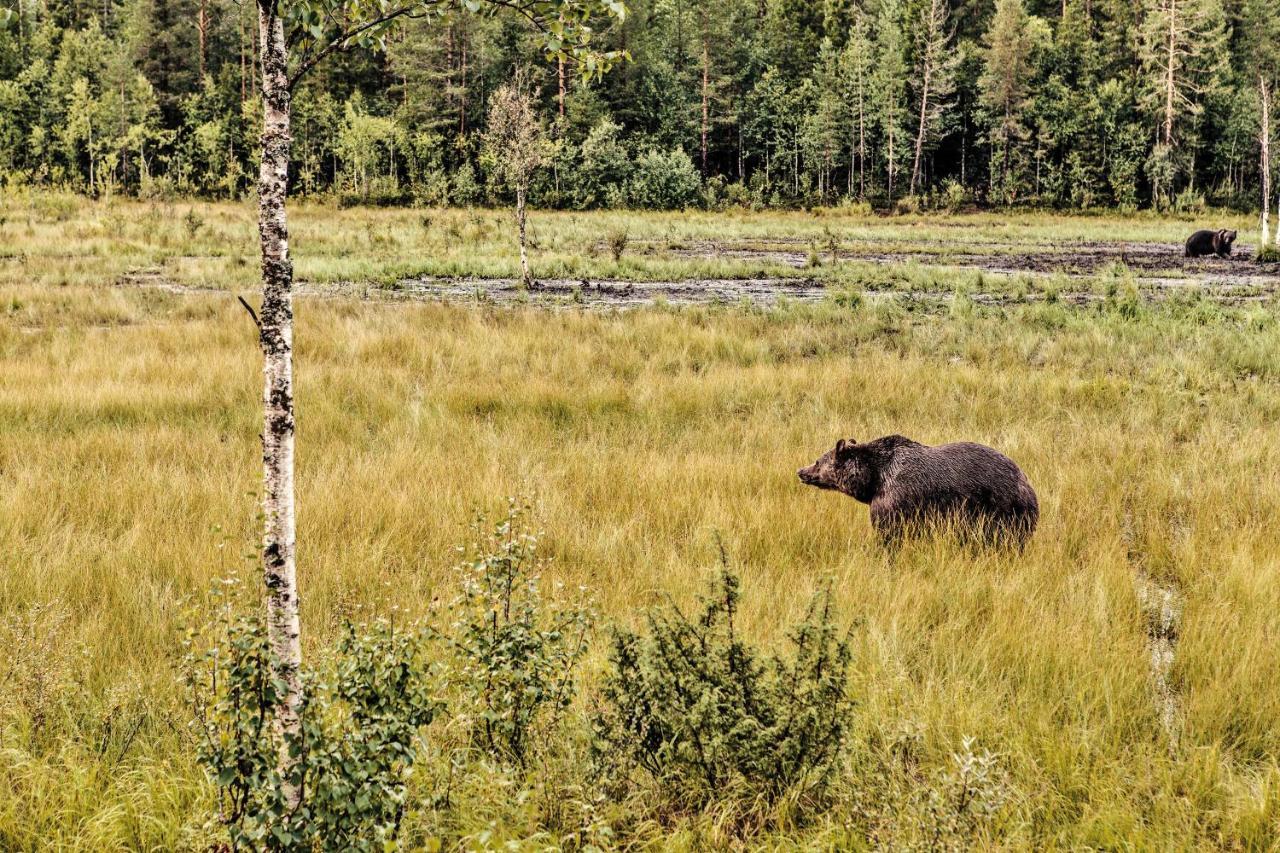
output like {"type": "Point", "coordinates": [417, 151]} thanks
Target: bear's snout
{"type": "Point", "coordinates": [807, 476]}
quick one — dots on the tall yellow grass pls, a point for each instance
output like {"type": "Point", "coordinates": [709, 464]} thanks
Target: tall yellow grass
{"type": "Point", "coordinates": [129, 463]}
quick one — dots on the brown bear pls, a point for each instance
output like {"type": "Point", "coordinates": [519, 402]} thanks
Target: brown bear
{"type": "Point", "coordinates": [1210, 243]}
{"type": "Point", "coordinates": [978, 491]}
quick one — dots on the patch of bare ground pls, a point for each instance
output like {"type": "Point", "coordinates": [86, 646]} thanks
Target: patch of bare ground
{"type": "Point", "coordinates": [622, 294]}
{"type": "Point", "coordinates": [1157, 262]}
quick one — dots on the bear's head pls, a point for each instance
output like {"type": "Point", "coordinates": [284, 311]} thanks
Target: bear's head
{"type": "Point", "coordinates": [848, 467]}
{"type": "Point", "coordinates": [1224, 241]}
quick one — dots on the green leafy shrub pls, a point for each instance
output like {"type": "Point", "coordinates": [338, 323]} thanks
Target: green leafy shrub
{"type": "Point", "coordinates": [958, 806]}
{"type": "Point", "coordinates": [603, 170]}
{"type": "Point", "coordinates": [908, 205]}
{"type": "Point", "coordinates": [1189, 201]}
{"type": "Point", "coordinates": [515, 653]}
{"type": "Point", "coordinates": [358, 740]}
{"type": "Point", "coordinates": [1268, 255]}
{"type": "Point", "coordinates": [737, 195]}
{"type": "Point", "coordinates": [466, 189]}
{"type": "Point", "coordinates": [704, 714]}
{"type": "Point", "coordinates": [952, 196]}
{"type": "Point", "coordinates": [665, 180]}
{"type": "Point", "coordinates": [193, 222]}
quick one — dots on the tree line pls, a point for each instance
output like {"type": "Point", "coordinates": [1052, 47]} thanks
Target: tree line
{"type": "Point", "coordinates": [1069, 103]}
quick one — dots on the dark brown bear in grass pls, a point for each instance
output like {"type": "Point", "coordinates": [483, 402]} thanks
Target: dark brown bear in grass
{"type": "Point", "coordinates": [978, 491]}
{"type": "Point", "coordinates": [1210, 243]}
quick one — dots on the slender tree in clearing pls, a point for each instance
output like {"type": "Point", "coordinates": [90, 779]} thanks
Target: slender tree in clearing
{"type": "Point", "coordinates": [1264, 142]}
{"type": "Point", "coordinates": [294, 36]}
{"type": "Point", "coordinates": [934, 75]}
{"type": "Point", "coordinates": [513, 140]}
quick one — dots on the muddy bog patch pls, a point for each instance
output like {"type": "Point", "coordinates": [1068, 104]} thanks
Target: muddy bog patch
{"type": "Point", "coordinates": [616, 293]}
{"type": "Point", "coordinates": [1145, 260]}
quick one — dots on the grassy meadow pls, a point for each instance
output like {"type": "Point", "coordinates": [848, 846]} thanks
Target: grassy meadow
{"type": "Point", "coordinates": [129, 464]}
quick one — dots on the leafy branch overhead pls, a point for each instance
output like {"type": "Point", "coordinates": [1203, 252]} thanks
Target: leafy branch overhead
{"type": "Point", "coordinates": [318, 28]}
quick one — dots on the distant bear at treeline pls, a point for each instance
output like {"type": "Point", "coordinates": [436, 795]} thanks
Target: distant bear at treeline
{"type": "Point", "coordinates": [1207, 242]}
{"type": "Point", "coordinates": [973, 488]}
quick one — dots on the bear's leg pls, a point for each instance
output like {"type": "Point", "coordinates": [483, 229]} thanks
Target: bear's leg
{"type": "Point", "coordinates": [889, 524]}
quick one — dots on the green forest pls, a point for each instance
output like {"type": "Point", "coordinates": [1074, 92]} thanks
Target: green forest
{"type": "Point", "coordinates": [766, 103]}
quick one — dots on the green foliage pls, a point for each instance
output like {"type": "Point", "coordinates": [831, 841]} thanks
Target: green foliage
{"type": "Point", "coordinates": [1058, 105]}
{"type": "Point", "coordinates": [664, 180]}
{"type": "Point", "coordinates": [514, 652]}
{"type": "Point", "coordinates": [513, 142]}
{"type": "Point", "coordinates": [359, 737]}
{"type": "Point", "coordinates": [692, 704]}
{"type": "Point", "coordinates": [603, 170]}
{"type": "Point", "coordinates": [366, 147]}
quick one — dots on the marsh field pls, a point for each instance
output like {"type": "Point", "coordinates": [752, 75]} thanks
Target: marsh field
{"type": "Point", "coordinates": [1115, 686]}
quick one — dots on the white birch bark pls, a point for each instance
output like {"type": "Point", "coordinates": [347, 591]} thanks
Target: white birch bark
{"type": "Point", "coordinates": [1264, 138]}
{"type": "Point", "coordinates": [278, 536]}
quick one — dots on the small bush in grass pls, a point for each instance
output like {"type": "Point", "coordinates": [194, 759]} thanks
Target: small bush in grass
{"type": "Point", "coordinates": [515, 653]}
{"type": "Point", "coordinates": [617, 240]}
{"type": "Point", "coordinates": [1268, 255]}
{"type": "Point", "coordinates": [193, 222]}
{"type": "Point", "coordinates": [694, 706]}
{"type": "Point", "coordinates": [360, 733]}
{"type": "Point", "coordinates": [813, 260]}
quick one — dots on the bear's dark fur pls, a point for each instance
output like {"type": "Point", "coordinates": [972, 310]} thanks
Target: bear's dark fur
{"type": "Point", "coordinates": [1210, 243]}
{"type": "Point", "coordinates": [910, 485]}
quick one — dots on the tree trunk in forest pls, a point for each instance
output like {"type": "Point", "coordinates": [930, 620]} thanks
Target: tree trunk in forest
{"type": "Point", "coordinates": [706, 58]}
{"type": "Point", "coordinates": [243, 63]}
{"type": "Point", "coordinates": [924, 112]}
{"type": "Point", "coordinates": [462, 94]}
{"type": "Point", "coordinates": [560, 80]}
{"type": "Point", "coordinates": [1264, 137]}
{"type": "Point", "coordinates": [1004, 166]}
{"type": "Point", "coordinates": [862, 150]}
{"type": "Point", "coordinates": [276, 336]}
{"type": "Point", "coordinates": [890, 152]}
{"type": "Point", "coordinates": [202, 30]}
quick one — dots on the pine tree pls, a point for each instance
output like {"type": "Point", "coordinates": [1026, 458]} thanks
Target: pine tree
{"type": "Point", "coordinates": [857, 64]}
{"type": "Point", "coordinates": [888, 85]}
{"type": "Point", "coordinates": [1183, 61]}
{"type": "Point", "coordinates": [1004, 89]}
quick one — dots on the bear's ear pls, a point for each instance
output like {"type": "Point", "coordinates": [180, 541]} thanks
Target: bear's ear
{"type": "Point", "coordinates": [843, 447]}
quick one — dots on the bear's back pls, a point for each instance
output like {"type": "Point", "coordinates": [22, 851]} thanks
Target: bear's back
{"type": "Point", "coordinates": [1202, 242]}
{"type": "Point", "coordinates": [966, 471]}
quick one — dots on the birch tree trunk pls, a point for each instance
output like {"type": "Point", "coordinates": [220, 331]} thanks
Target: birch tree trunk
{"type": "Point", "coordinates": [1264, 137]}
{"type": "Point", "coordinates": [526, 277]}
{"type": "Point", "coordinates": [278, 536]}
{"type": "Point", "coordinates": [1170, 72]}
